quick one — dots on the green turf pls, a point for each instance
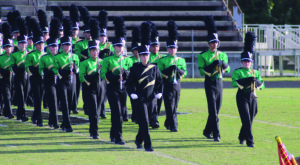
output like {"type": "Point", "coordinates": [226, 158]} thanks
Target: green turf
{"type": "Point", "coordinates": [278, 115]}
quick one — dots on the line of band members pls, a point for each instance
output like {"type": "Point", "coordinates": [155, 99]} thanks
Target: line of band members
{"type": "Point", "coordinates": [61, 75]}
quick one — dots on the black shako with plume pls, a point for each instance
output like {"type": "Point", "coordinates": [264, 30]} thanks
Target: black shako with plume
{"type": "Point", "coordinates": [29, 29]}
{"type": "Point", "coordinates": [21, 24]}
{"type": "Point", "coordinates": [66, 39]}
{"type": "Point", "coordinates": [36, 30]}
{"type": "Point", "coordinates": [145, 39]}
{"type": "Point", "coordinates": [173, 35]}
{"type": "Point", "coordinates": [120, 32]}
{"type": "Point", "coordinates": [247, 54]}
{"type": "Point", "coordinates": [212, 33]}
{"type": "Point", "coordinates": [11, 18]}
{"type": "Point", "coordinates": [54, 32]}
{"type": "Point", "coordinates": [154, 34]}
{"type": "Point", "coordinates": [95, 33]}
{"type": "Point", "coordinates": [85, 16]}
{"type": "Point", "coordinates": [43, 21]}
{"type": "Point", "coordinates": [103, 19]}
{"type": "Point", "coordinates": [74, 15]}
{"type": "Point", "coordinates": [136, 38]}
{"type": "Point", "coordinates": [7, 41]}
{"type": "Point", "coordinates": [58, 13]}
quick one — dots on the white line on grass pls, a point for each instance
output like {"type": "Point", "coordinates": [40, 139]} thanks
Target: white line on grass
{"type": "Point", "coordinates": [283, 125]}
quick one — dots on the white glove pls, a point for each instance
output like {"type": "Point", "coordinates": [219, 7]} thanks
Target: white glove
{"type": "Point", "coordinates": [158, 95]}
{"type": "Point", "coordinates": [134, 96]}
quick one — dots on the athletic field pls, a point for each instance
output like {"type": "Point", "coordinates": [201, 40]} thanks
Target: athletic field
{"type": "Point", "coordinates": [278, 115]}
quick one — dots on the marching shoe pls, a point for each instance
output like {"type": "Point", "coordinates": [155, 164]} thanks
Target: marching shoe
{"type": "Point", "coordinates": [217, 139]}
{"type": "Point", "coordinates": [208, 136]}
{"type": "Point", "coordinates": [149, 149]}
{"type": "Point", "coordinates": [120, 143]}
{"type": "Point", "coordinates": [138, 145]}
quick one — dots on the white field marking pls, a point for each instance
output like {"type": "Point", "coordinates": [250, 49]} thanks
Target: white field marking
{"type": "Point", "coordinates": [2, 125]}
{"type": "Point", "coordinates": [11, 146]}
{"type": "Point", "coordinates": [64, 144]}
{"type": "Point", "coordinates": [283, 125]}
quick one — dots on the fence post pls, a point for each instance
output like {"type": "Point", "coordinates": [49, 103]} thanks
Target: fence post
{"type": "Point", "coordinates": [193, 59]}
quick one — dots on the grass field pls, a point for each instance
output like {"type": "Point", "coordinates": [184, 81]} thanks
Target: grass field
{"type": "Point", "coordinates": [278, 115]}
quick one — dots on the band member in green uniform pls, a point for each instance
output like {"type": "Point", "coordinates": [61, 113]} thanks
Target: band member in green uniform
{"type": "Point", "coordinates": [18, 66]}
{"type": "Point", "coordinates": [49, 78]}
{"type": "Point", "coordinates": [89, 73]}
{"type": "Point", "coordinates": [212, 64]}
{"type": "Point", "coordinates": [114, 71]}
{"type": "Point", "coordinates": [144, 84]}
{"type": "Point", "coordinates": [154, 58]}
{"type": "Point", "coordinates": [5, 71]}
{"type": "Point", "coordinates": [173, 68]}
{"type": "Point", "coordinates": [136, 42]}
{"type": "Point", "coordinates": [247, 80]}
{"type": "Point", "coordinates": [64, 64]}
{"type": "Point", "coordinates": [32, 62]}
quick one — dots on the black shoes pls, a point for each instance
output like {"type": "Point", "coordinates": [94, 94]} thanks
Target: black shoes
{"type": "Point", "coordinates": [149, 149]}
{"type": "Point", "coordinates": [208, 136]}
{"type": "Point", "coordinates": [120, 143]}
{"type": "Point", "coordinates": [174, 130]}
{"type": "Point", "coordinates": [138, 145]}
{"type": "Point", "coordinates": [217, 139]}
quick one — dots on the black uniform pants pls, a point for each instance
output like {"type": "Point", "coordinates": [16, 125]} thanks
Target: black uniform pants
{"type": "Point", "coordinates": [171, 95]}
{"type": "Point", "coordinates": [6, 96]}
{"type": "Point", "coordinates": [64, 88]}
{"type": "Point", "coordinates": [19, 83]}
{"type": "Point", "coordinates": [117, 100]}
{"type": "Point", "coordinates": [247, 107]}
{"type": "Point", "coordinates": [143, 106]}
{"type": "Point", "coordinates": [37, 91]}
{"type": "Point", "coordinates": [213, 90]}
{"type": "Point", "coordinates": [93, 100]}
{"type": "Point", "coordinates": [50, 94]}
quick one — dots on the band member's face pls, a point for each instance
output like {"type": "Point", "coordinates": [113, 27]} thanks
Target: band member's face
{"type": "Point", "coordinates": [246, 64]}
{"type": "Point", "coordinates": [75, 33]}
{"type": "Point", "coordinates": [136, 53]}
{"type": "Point", "coordinates": [87, 35]}
{"type": "Point", "coordinates": [46, 36]}
{"type": "Point", "coordinates": [94, 53]}
{"type": "Point", "coordinates": [172, 51]}
{"type": "Point", "coordinates": [22, 46]}
{"type": "Point", "coordinates": [154, 49]}
{"type": "Point", "coordinates": [66, 48]}
{"type": "Point", "coordinates": [144, 59]}
{"type": "Point", "coordinates": [213, 46]}
{"type": "Point", "coordinates": [29, 42]}
{"type": "Point", "coordinates": [53, 49]}
{"type": "Point", "coordinates": [103, 39]}
{"type": "Point", "coordinates": [118, 49]}
{"type": "Point", "coordinates": [8, 50]}
{"type": "Point", "coordinates": [39, 46]}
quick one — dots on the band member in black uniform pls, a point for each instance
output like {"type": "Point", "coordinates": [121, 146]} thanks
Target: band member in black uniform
{"type": "Point", "coordinates": [32, 62]}
{"type": "Point", "coordinates": [46, 69]}
{"type": "Point", "coordinates": [247, 80]}
{"type": "Point", "coordinates": [212, 64]}
{"type": "Point", "coordinates": [144, 84]}
{"type": "Point", "coordinates": [173, 68]}
{"type": "Point", "coordinates": [89, 73]}
{"type": "Point", "coordinates": [18, 59]}
{"type": "Point", "coordinates": [5, 71]}
{"type": "Point", "coordinates": [113, 70]}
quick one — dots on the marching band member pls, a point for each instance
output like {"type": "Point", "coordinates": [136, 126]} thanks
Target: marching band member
{"type": "Point", "coordinates": [247, 80]}
{"type": "Point", "coordinates": [172, 68]}
{"type": "Point", "coordinates": [212, 64]}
